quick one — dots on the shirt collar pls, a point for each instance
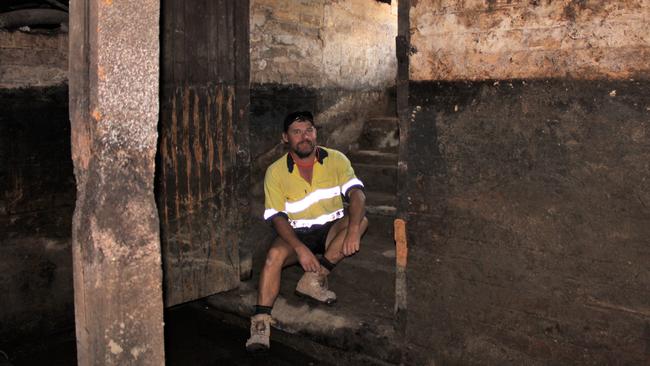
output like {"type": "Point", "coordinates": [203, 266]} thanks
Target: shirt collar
{"type": "Point", "coordinates": [321, 154]}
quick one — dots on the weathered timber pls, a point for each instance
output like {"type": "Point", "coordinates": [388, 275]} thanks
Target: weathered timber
{"type": "Point", "coordinates": [114, 52]}
{"type": "Point", "coordinates": [203, 160]}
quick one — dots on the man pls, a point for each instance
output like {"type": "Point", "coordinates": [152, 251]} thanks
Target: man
{"type": "Point", "coordinates": [303, 198]}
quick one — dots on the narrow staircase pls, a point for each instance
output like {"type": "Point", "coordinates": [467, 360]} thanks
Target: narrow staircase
{"type": "Point", "coordinates": [375, 163]}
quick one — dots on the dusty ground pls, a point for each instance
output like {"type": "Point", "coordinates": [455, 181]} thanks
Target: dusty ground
{"type": "Point", "coordinates": [360, 322]}
{"type": "Point", "coordinates": [193, 336]}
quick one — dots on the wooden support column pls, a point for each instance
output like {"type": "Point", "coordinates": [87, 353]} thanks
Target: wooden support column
{"type": "Point", "coordinates": [113, 72]}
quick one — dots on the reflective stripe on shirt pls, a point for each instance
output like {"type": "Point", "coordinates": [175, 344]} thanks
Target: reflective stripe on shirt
{"type": "Point", "coordinates": [320, 220]}
{"type": "Point", "coordinates": [313, 197]}
{"type": "Point", "coordinates": [351, 183]}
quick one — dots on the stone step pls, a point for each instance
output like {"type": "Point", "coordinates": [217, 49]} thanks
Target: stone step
{"type": "Point", "coordinates": [383, 121]}
{"type": "Point", "coordinates": [377, 178]}
{"type": "Point", "coordinates": [346, 326]}
{"type": "Point", "coordinates": [380, 203]}
{"type": "Point", "coordinates": [372, 157]}
{"type": "Point", "coordinates": [381, 198]}
{"type": "Point", "coordinates": [380, 134]}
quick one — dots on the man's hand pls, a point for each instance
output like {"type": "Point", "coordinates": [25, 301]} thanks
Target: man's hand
{"type": "Point", "coordinates": [351, 242]}
{"type": "Point", "coordinates": [307, 259]}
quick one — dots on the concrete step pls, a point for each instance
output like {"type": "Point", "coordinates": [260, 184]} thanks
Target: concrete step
{"type": "Point", "coordinates": [380, 134]}
{"type": "Point", "coordinates": [380, 203]}
{"type": "Point", "coordinates": [377, 178]}
{"type": "Point", "coordinates": [361, 321]}
{"type": "Point", "coordinates": [372, 157]}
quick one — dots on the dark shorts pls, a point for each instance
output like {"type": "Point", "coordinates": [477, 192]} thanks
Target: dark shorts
{"type": "Point", "coordinates": [315, 237]}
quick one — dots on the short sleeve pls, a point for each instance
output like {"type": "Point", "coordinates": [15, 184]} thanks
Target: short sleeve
{"type": "Point", "coordinates": [347, 178]}
{"type": "Point", "coordinates": [273, 197]}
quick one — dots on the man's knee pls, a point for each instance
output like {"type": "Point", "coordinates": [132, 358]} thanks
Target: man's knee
{"type": "Point", "coordinates": [276, 256]}
{"type": "Point", "coordinates": [364, 224]}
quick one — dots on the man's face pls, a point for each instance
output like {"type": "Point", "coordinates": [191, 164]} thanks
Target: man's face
{"type": "Point", "coordinates": [301, 137]}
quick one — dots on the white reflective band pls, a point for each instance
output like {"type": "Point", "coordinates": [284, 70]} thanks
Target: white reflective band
{"type": "Point", "coordinates": [320, 220]}
{"type": "Point", "coordinates": [269, 212]}
{"type": "Point", "coordinates": [313, 197]}
{"type": "Point", "coordinates": [350, 183]}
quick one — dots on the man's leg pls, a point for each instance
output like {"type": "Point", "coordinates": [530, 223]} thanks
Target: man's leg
{"type": "Point", "coordinates": [314, 285]}
{"type": "Point", "coordinates": [334, 241]}
{"type": "Point", "coordinates": [279, 255]}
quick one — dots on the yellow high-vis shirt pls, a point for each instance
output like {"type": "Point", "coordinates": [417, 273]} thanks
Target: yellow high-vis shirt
{"type": "Point", "coordinates": [305, 205]}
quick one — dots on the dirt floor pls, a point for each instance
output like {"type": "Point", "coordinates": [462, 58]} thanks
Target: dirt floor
{"type": "Point", "coordinates": [193, 336]}
{"type": "Point", "coordinates": [357, 330]}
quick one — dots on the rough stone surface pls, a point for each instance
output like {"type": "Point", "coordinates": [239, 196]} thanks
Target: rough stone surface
{"type": "Point", "coordinates": [477, 40]}
{"type": "Point", "coordinates": [323, 43]}
{"type": "Point", "coordinates": [366, 278]}
{"type": "Point", "coordinates": [528, 205]}
{"type": "Point", "coordinates": [526, 198]}
{"type": "Point", "coordinates": [32, 59]}
{"type": "Point", "coordinates": [114, 53]}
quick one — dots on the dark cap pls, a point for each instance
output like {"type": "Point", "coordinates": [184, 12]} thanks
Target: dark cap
{"type": "Point", "coordinates": [298, 116]}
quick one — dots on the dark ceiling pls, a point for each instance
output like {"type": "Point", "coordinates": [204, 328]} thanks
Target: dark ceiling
{"type": "Point", "coordinates": [10, 5]}
{"type": "Point", "coordinates": [34, 15]}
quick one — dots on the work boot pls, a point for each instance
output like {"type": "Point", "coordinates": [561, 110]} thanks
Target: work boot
{"type": "Point", "coordinates": [314, 286]}
{"type": "Point", "coordinates": [260, 333]}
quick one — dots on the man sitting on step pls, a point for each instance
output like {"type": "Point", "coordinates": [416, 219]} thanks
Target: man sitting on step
{"type": "Point", "coordinates": [303, 198]}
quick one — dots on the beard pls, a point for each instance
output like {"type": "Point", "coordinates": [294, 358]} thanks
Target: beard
{"type": "Point", "coordinates": [304, 152]}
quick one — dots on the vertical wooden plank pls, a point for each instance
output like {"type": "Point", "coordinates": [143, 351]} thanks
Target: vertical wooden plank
{"type": "Point", "coordinates": [213, 41]}
{"type": "Point", "coordinates": [242, 102]}
{"type": "Point", "coordinates": [222, 42]}
{"type": "Point", "coordinates": [402, 47]}
{"type": "Point", "coordinates": [401, 258]}
{"type": "Point", "coordinates": [202, 61]}
{"type": "Point", "coordinates": [80, 135]}
{"type": "Point", "coordinates": [115, 239]}
{"type": "Point", "coordinates": [174, 198]}
{"type": "Point", "coordinates": [206, 103]}
{"type": "Point", "coordinates": [228, 67]}
{"type": "Point", "coordinates": [167, 45]}
{"type": "Point", "coordinates": [196, 32]}
{"type": "Point", "coordinates": [178, 41]}
{"type": "Point", "coordinates": [208, 137]}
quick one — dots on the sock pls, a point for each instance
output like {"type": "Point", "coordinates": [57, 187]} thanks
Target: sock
{"type": "Point", "coordinates": [326, 263]}
{"type": "Point", "coordinates": [260, 309]}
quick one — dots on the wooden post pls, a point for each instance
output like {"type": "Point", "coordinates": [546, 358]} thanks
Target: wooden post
{"type": "Point", "coordinates": [401, 249]}
{"type": "Point", "coordinates": [113, 72]}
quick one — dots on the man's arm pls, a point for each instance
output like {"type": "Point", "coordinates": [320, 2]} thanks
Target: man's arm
{"type": "Point", "coordinates": [357, 211]}
{"type": "Point", "coordinates": [307, 259]}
